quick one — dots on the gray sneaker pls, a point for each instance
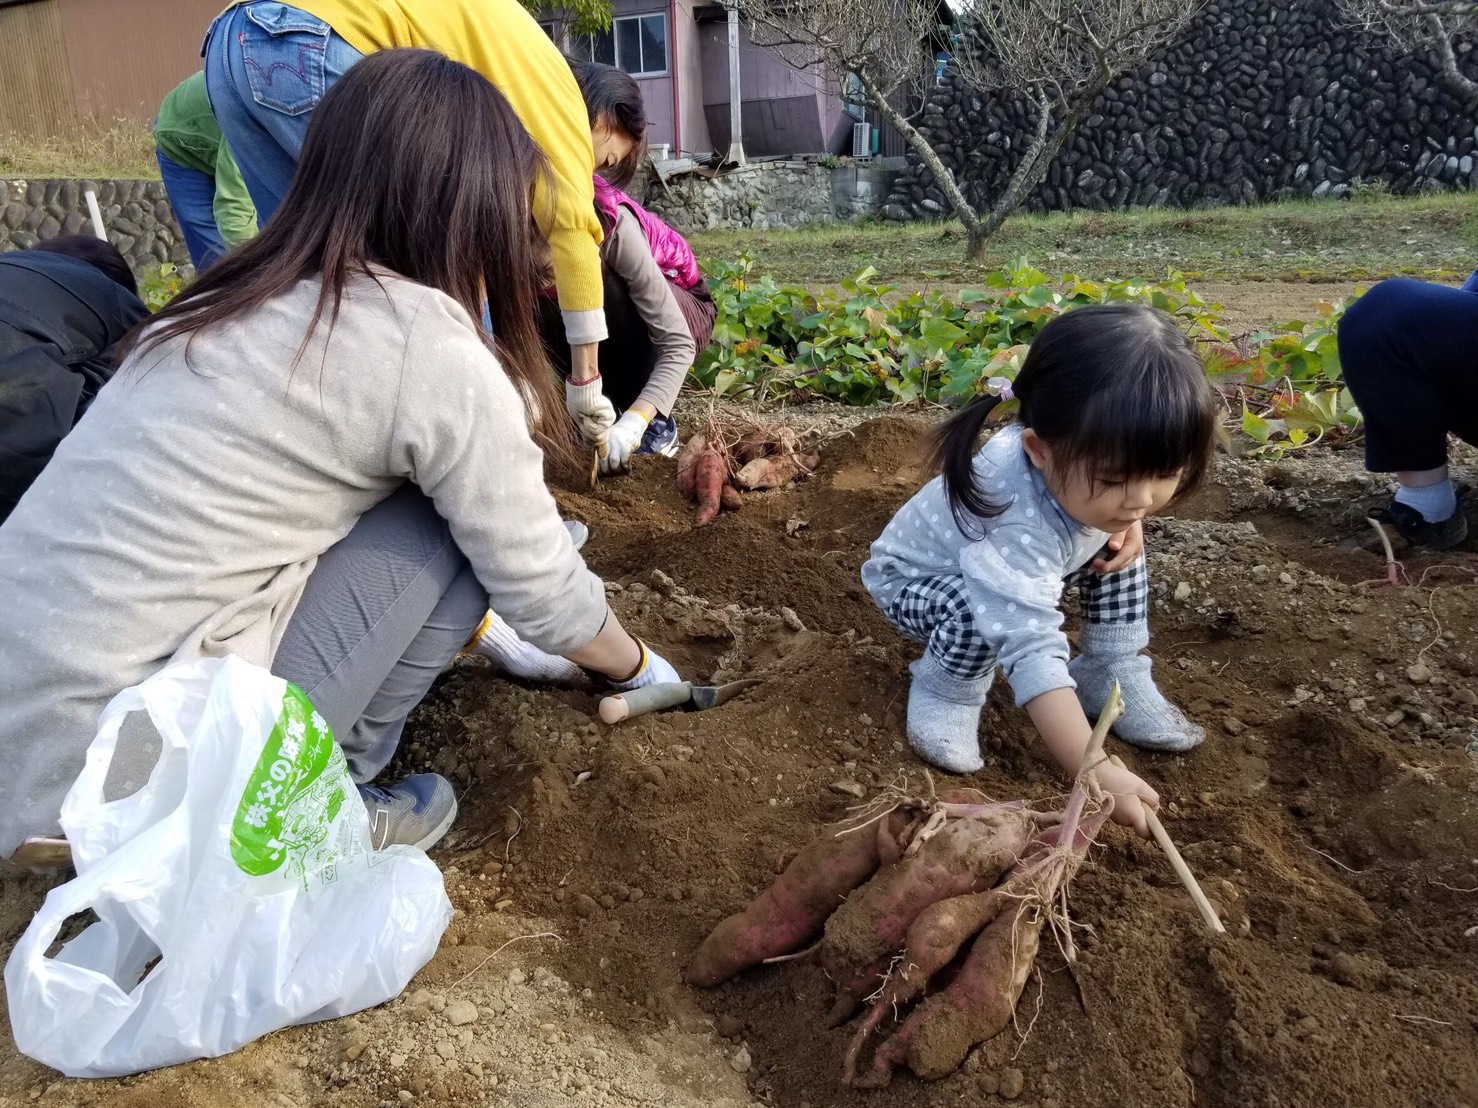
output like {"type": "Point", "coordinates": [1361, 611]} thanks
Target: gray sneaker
{"type": "Point", "coordinates": [579, 533]}
{"type": "Point", "coordinates": [416, 812]}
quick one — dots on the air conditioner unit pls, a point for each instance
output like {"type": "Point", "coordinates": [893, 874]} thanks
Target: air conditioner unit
{"type": "Point", "coordinates": [862, 140]}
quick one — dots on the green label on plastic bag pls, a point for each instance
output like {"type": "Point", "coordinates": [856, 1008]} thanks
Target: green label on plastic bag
{"type": "Point", "coordinates": [293, 796]}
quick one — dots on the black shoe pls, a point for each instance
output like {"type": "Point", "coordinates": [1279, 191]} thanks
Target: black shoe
{"type": "Point", "coordinates": [1419, 531]}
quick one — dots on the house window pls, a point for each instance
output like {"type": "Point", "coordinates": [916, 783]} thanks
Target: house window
{"type": "Point", "coordinates": [637, 44]}
{"type": "Point", "coordinates": [552, 30]}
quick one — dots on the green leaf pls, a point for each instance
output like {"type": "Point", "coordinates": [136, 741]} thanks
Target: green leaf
{"type": "Point", "coordinates": [727, 382]}
{"type": "Point", "coordinates": [940, 334]}
{"type": "Point", "coordinates": [1255, 426]}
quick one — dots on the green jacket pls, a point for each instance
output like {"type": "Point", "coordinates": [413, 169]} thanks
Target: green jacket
{"type": "Point", "coordinates": [186, 132]}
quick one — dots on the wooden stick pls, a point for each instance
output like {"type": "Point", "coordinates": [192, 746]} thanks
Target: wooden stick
{"type": "Point", "coordinates": [1177, 863]}
{"type": "Point", "coordinates": [1183, 871]}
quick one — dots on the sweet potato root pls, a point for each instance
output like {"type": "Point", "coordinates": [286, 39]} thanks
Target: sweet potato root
{"type": "Point", "coordinates": [952, 876]}
{"type": "Point", "coordinates": [687, 465]}
{"type": "Point", "coordinates": [709, 477]}
{"type": "Point", "coordinates": [965, 856]}
{"type": "Point", "coordinates": [720, 462]}
{"type": "Point", "coordinates": [975, 1007]}
{"type": "Point", "coordinates": [792, 911]}
{"type": "Point", "coordinates": [777, 472]}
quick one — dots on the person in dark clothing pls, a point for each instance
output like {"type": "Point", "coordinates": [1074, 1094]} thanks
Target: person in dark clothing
{"type": "Point", "coordinates": [1409, 351]}
{"type": "Point", "coordinates": [63, 308]}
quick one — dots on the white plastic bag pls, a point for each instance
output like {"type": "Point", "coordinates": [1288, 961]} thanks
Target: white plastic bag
{"type": "Point", "coordinates": [236, 892]}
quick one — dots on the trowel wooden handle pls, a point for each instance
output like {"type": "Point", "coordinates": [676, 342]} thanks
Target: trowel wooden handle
{"type": "Point", "coordinates": [637, 702]}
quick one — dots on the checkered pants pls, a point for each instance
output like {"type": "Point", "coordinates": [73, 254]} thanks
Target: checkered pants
{"type": "Point", "coordinates": [936, 611]}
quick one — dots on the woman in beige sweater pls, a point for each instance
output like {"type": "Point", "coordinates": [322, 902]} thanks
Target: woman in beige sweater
{"type": "Point", "coordinates": [315, 460]}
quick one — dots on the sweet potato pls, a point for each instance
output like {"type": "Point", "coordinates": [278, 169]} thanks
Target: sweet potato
{"type": "Point", "coordinates": [975, 1007]}
{"type": "Point", "coordinates": [792, 910]}
{"type": "Point", "coordinates": [965, 856]}
{"type": "Point", "coordinates": [941, 930]}
{"type": "Point", "coordinates": [730, 499]}
{"type": "Point", "coordinates": [709, 476]}
{"type": "Point", "coordinates": [687, 463]}
{"type": "Point", "coordinates": [774, 473]}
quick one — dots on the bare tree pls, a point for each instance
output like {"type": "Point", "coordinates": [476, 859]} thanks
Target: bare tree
{"type": "Point", "coordinates": [1425, 27]}
{"type": "Point", "coordinates": [1059, 54]}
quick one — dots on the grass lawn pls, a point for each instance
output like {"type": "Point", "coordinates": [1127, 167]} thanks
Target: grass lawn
{"type": "Point", "coordinates": [121, 150]}
{"type": "Point", "coordinates": [1434, 237]}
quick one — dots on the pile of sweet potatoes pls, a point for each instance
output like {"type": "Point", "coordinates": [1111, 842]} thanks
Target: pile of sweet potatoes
{"type": "Point", "coordinates": [719, 463]}
{"type": "Point", "coordinates": [930, 912]}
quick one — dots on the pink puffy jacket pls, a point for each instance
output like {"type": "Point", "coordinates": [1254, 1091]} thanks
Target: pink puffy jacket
{"type": "Point", "coordinates": [673, 254]}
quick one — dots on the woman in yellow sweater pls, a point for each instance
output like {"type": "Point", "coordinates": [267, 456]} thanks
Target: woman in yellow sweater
{"type": "Point", "coordinates": [267, 65]}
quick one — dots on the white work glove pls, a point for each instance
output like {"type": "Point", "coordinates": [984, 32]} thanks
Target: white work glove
{"type": "Point", "coordinates": [592, 413]}
{"type": "Point", "coordinates": [654, 670]}
{"type": "Point", "coordinates": [622, 441]}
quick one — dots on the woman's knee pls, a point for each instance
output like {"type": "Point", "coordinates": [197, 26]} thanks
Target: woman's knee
{"type": "Point", "coordinates": [463, 605]}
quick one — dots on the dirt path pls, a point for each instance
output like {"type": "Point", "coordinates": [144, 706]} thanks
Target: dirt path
{"type": "Point", "coordinates": [1253, 305]}
{"type": "Point", "coordinates": [1333, 812]}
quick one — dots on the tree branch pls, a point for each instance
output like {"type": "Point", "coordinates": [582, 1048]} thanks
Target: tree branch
{"type": "Point", "coordinates": [1457, 8]}
{"type": "Point", "coordinates": [942, 175]}
{"type": "Point", "coordinates": [1458, 82]}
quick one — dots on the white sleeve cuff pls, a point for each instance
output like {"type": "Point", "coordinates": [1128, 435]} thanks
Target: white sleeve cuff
{"type": "Point", "coordinates": [584, 328]}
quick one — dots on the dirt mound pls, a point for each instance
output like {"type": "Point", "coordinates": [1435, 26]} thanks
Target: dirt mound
{"type": "Point", "coordinates": [1332, 813]}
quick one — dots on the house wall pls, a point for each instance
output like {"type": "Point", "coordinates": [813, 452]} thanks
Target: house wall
{"type": "Point", "coordinates": [125, 55]}
{"type": "Point", "coordinates": [35, 97]}
{"type": "Point", "coordinates": [65, 61]}
{"type": "Point", "coordinates": [695, 135]}
{"type": "Point", "coordinates": [786, 111]}
{"type": "Point", "coordinates": [683, 65]}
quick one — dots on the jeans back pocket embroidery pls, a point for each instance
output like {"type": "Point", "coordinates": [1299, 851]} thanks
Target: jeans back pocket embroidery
{"type": "Point", "coordinates": [283, 49]}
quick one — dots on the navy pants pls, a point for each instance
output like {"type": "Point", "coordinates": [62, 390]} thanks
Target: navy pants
{"type": "Point", "coordinates": [1410, 355]}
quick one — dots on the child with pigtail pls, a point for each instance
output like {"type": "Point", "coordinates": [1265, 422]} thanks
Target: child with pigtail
{"type": "Point", "coordinates": [1116, 421]}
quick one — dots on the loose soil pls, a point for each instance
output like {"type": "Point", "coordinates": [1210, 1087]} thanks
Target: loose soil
{"type": "Point", "coordinates": [1331, 814]}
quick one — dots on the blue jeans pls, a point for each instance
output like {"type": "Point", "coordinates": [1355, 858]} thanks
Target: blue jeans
{"type": "Point", "coordinates": [192, 195]}
{"type": "Point", "coordinates": [1409, 352]}
{"type": "Point", "coordinates": [267, 65]}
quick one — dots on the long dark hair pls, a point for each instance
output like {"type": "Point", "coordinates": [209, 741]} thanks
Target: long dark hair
{"type": "Point", "coordinates": [103, 256]}
{"type": "Point", "coordinates": [416, 163]}
{"type": "Point", "coordinates": [615, 97]}
{"type": "Point", "coordinates": [1116, 390]}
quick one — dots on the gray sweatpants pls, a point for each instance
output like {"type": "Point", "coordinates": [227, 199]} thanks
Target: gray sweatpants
{"type": "Point", "coordinates": [384, 612]}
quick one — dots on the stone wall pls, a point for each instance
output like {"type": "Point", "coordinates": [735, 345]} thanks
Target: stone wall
{"type": "Point", "coordinates": [770, 196]}
{"type": "Point", "coordinates": [136, 215]}
{"type": "Point", "coordinates": [1266, 99]}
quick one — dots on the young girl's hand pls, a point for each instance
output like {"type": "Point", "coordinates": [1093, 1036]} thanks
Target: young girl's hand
{"type": "Point", "coordinates": [1131, 795]}
{"type": "Point", "coordinates": [1126, 545]}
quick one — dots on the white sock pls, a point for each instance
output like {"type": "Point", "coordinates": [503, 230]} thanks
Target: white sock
{"type": "Point", "coordinates": [944, 716]}
{"type": "Point", "coordinates": [498, 642]}
{"type": "Point", "coordinates": [1111, 653]}
{"type": "Point", "coordinates": [1435, 502]}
